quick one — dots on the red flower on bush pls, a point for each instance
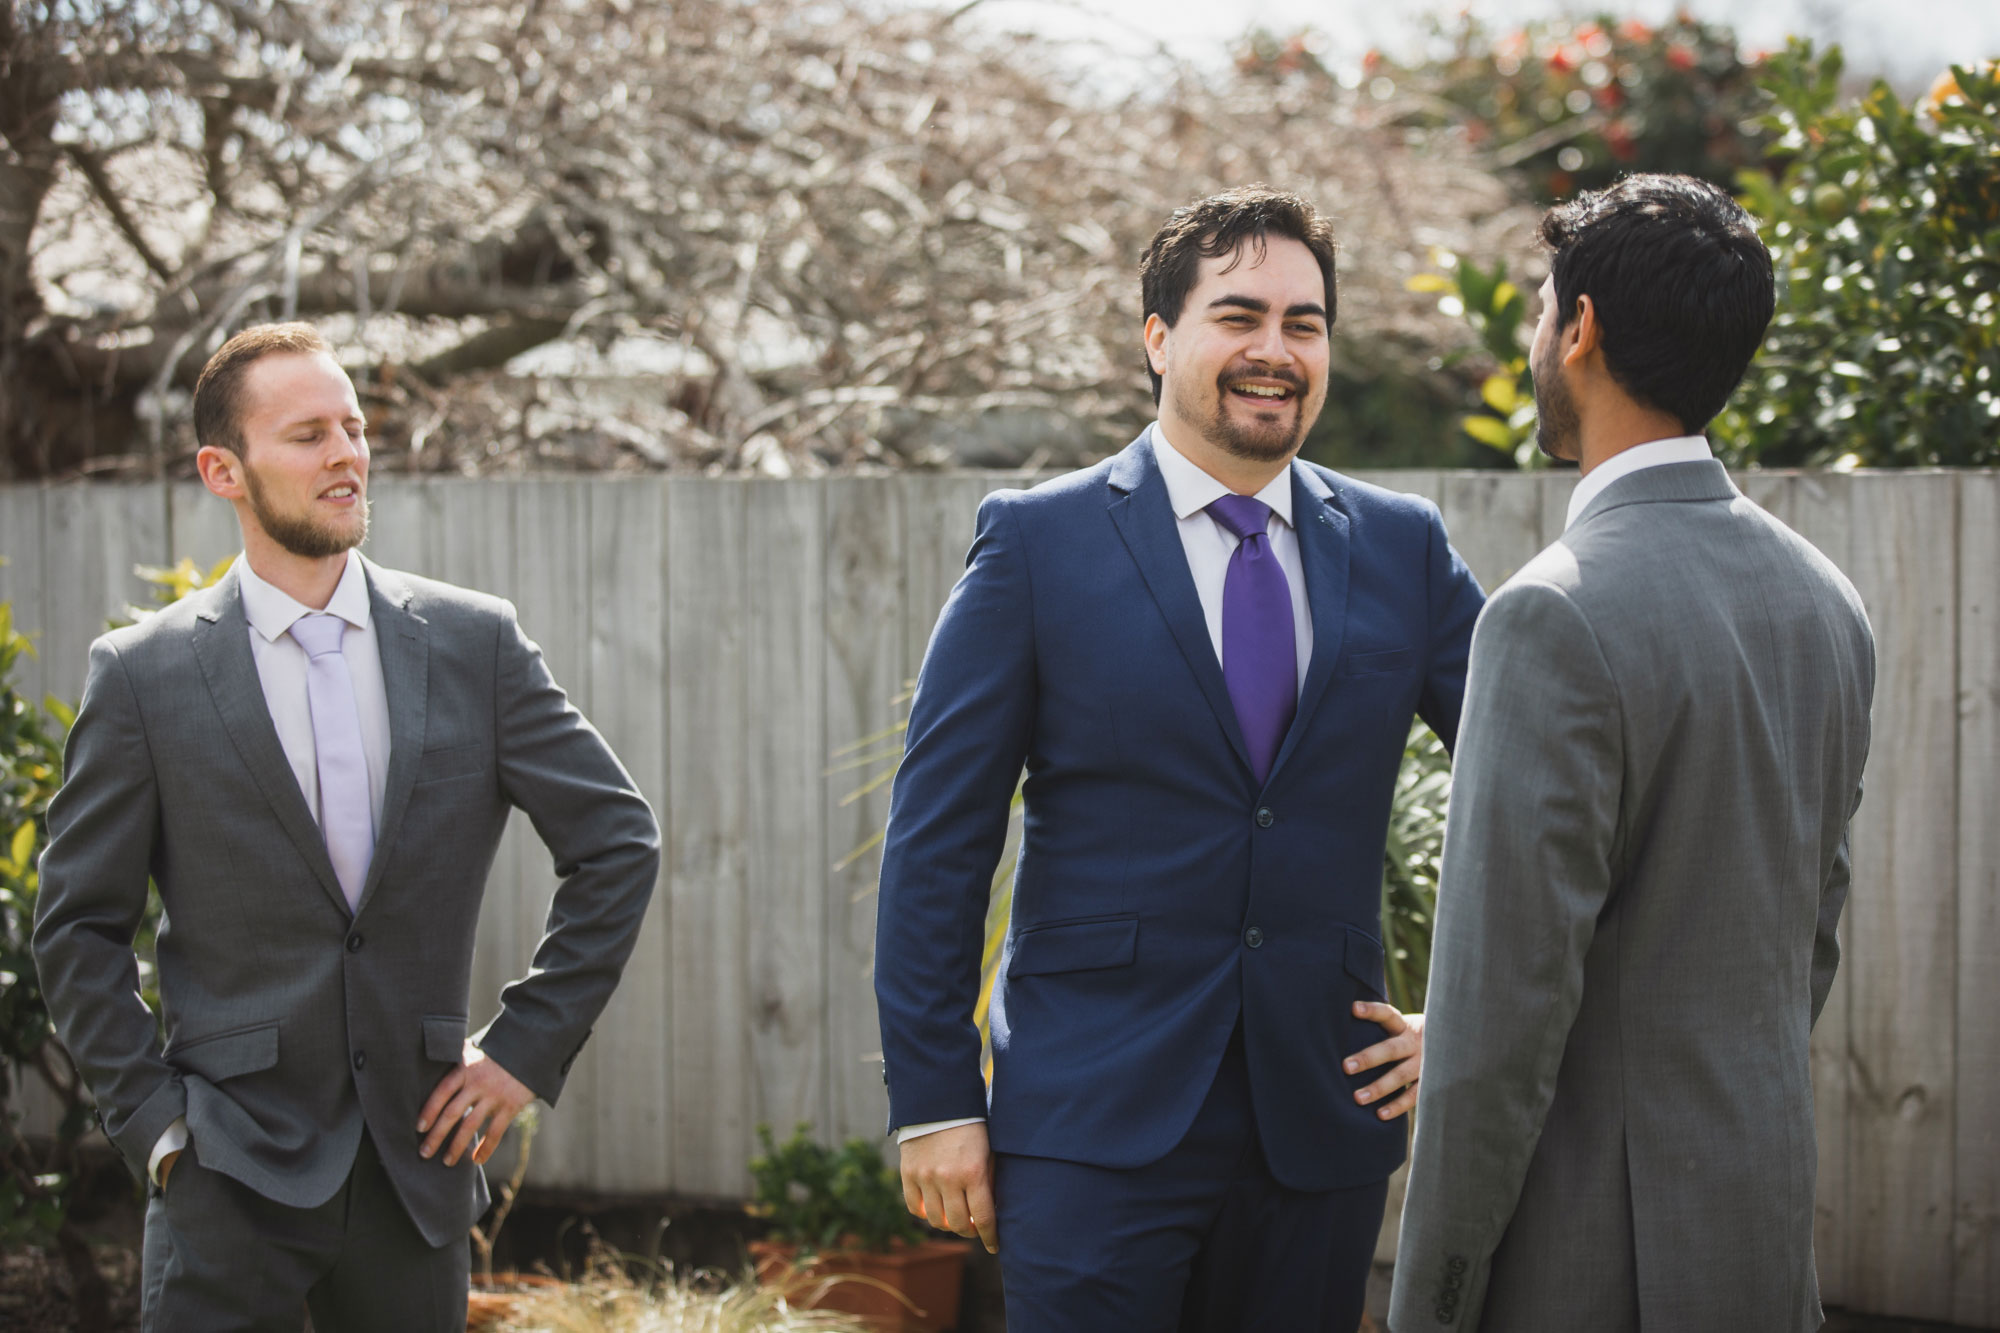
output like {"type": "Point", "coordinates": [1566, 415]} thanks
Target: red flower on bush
{"type": "Point", "coordinates": [1618, 138]}
{"type": "Point", "coordinates": [1681, 56]}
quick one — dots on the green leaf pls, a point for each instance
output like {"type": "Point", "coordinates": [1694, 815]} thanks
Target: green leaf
{"type": "Point", "coordinates": [1501, 393]}
{"type": "Point", "coordinates": [1430, 282]}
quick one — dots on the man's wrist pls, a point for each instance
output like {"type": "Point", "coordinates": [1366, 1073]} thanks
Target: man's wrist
{"type": "Point", "coordinates": [907, 1132]}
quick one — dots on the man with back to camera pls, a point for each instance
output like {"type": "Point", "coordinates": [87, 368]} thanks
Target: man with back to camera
{"type": "Point", "coordinates": [1646, 849]}
{"type": "Point", "coordinates": [314, 761]}
{"type": "Point", "coordinates": [1207, 655]}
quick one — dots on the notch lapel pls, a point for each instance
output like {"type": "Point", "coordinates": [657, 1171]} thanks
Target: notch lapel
{"type": "Point", "coordinates": [1145, 520]}
{"type": "Point", "coordinates": [1323, 550]}
{"type": "Point", "coordinates": [222, 647]}
{"type": "Point", "coordinates": [402, 637]}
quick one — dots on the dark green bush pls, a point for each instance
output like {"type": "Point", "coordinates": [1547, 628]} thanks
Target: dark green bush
{"type": "Point", "coordinates": [820, 1198]}
{"type": "Point", "coordinates": [1885, 228]}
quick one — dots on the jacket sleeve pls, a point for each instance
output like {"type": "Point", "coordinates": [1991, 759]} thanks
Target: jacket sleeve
{"type": "Point", "coordinates": [560, 772]}
{"type": "Point", "coordinates": [103, 830]}
{"type": "Point", "coordinates": [967, 740]}
{"type": "Point", "coordinates": [1527, 870]}
{"type": "Point", "coordinates": [1455, 601]}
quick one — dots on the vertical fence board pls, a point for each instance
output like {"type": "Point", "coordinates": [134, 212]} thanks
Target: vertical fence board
{"type": "Point", "coordinates": [1904, 906]}
{"type": "Point", "coordinates": [200, 527]}
{"type": "Point", "coordinates": [1821, 512]}
{"type": "Point", "coordinates": [552, 573]}
{"type": "Point", "coordinates": [628, 634]}
{"type": "Point", "coordinates": [785, 858]}
{"type": "Point", "coordinates": [865, 671]}
{"type": "Point", "coordinates": [25, 583]}
{"type": "Point", "coordinates": [400, 528]}
{"type": "Point", "coordinates": [708, 717]}
{"type": "Point", "coordinates": [1495, 521]}
{"type": "Point", "coordinates": [1976, 1239]}
{"type": "Point", "coordinates": [92, 538]}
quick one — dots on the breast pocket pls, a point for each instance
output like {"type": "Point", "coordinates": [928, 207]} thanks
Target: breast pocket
{"type": "Point", "coordinates": [1376, 663]}
{"type": "Point", "coordinates": [449, 765]}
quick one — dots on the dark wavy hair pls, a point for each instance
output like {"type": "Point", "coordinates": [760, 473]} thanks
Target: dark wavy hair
{"type": "Point", "coordinates": [1681, 283]}
{"type": "Point", "coordinates": [1221, 225]}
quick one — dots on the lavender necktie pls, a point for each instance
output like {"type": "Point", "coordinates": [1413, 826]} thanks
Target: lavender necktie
{"type": "Point", "coordinates": [1260, 660]}
{"type": "Point", "coordinates": [345, 819]}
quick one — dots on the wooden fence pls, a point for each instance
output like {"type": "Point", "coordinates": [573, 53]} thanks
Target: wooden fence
{"type": "Point", "coordinates": [728, 636]}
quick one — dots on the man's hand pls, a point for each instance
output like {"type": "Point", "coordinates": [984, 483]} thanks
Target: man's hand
{"type": "Point", "coordinates": [1405, 1045]}
{"type": "Point", "coordinates": [167, 1165]}
{"type": "Point", "coordinates": [948, 1181]}
{"type": "Point", "coordinates": [479, 1099]}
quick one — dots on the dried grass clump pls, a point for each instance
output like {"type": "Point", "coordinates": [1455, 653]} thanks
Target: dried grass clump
{"type": "Point", "coordinates": [607, 1299]}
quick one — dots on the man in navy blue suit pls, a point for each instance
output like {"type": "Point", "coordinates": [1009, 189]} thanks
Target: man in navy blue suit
{"type": "Point", "coordinates": [1206, 654]}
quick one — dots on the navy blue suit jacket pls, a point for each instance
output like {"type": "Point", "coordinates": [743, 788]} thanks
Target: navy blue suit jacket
{"type": "Point", "coordinates": [1162, 895]}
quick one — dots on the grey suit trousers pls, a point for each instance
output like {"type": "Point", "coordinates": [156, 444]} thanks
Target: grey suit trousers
{"type": "Point", "coordinates": [220, 1257]}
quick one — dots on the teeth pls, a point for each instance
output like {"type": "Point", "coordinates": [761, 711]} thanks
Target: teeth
{"type": "Point", "coordinates": [1261, 391]}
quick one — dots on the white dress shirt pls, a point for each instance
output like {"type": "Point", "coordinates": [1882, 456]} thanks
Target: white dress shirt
{"type": "Point", "coordinates": [281, 669]}
{"type": "Point", "coordinates": [1654, 453]}
{"type": "Point", "coordinates": [1209, 547]}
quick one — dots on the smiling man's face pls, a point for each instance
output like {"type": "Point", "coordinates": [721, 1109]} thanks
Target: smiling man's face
{"type": "Point", "coordinates": [1245, 366]}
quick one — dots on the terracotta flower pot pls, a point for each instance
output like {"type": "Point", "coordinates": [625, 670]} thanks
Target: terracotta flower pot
{"type": "Point", "coordinates": [491, 1301]}
{"type": "Point", "coordinates": [928, 1275]}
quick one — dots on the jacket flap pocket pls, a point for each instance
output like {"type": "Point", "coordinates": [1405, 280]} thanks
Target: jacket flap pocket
{"type": "Point", "coordinates": [228, 1054]}
{"type": "Point", "coordinates": [1075, 946]}
{"type": "Point", "coordinates": [1364, 961]}
{"type": "Point", "coordinates": [1367, 664]}
{"type": "Point", "coordinates": [444, 1039]}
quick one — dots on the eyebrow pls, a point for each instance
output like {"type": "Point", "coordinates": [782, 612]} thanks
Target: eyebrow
{"type": "Point", "coordinates": [1263, 307]}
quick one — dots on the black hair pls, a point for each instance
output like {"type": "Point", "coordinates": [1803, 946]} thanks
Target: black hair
{"type": "Point", "coordinates": [1681, 284]}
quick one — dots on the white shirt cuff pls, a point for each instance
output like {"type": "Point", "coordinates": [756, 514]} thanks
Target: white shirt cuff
{"type": "Point", "coordinates": [173, 1140]}
{"type": "Point", "coordinates": [908, 1132]}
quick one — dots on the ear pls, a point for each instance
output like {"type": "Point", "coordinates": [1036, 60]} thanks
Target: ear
{"type": "Point", "coordinates": [221, 471]}
{"type": "Point", "coordinates": [1583, 335]}
{"type": "Point", "coordinates": [1156, 343]}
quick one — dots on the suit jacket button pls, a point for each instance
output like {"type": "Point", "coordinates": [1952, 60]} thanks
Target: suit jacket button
{"type": "Point", "coordinates": [1455, 1264]}
{"type": "Point", "coordinates": [354, 942]}
{"type": "Point", "coordinates": [1265, 817]}
{"type": "Point", "coordinates": [361, 1059]}
{"type": "Point", "coordinates": [1445, 1314]}
{"type": "Point", "coordinates": [1254, 937]}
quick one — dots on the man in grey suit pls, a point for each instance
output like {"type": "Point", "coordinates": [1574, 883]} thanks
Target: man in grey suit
{"type": "Point", "coordinates": [314, 761]}
{"type": "Point", "coordinates": [1646, 855]}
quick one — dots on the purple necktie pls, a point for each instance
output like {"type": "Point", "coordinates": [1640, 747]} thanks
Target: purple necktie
{"type": "Point", "coordinates": [345, 818]}
{"type": "Point", "coordinates": [1259, 653]}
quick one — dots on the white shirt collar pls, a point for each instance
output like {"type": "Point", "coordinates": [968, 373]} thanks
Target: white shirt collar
{"type": "Point", "coordinates": [1191, 490]}
{"type": "Point", "coordinates": [1654, 453]}
{"type": "Point", "coordinates": [271, 611]}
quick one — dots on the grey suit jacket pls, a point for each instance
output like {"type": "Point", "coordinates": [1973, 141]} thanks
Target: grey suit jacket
{"type": "Point", "coordinates": [289, 1024]}
{"type": "Point", "coordinates": [1645, 858]}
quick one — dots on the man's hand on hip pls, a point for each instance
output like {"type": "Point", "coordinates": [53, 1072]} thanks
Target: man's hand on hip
{"type": "Point", "coordinates": [479, 1099]}
{"type": "Point", "coordinates": [1405, 1046]}
{"type": "Point", "coordinates": [948, 1181]}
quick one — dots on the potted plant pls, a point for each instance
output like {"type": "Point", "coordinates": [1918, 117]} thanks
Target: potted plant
{"type": "Point", "coordinates": [841, 1238]}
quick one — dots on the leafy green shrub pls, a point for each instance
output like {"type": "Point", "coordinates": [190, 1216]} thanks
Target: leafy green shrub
{"type": "Point", "coordinates": [1885, 228]}
{"type": "Point", "coordinates": [1410, 864]}
{"type": "Point", "coordinates": [821, 1198]}
{"type": "Point", "coordinates": [1572, 104]}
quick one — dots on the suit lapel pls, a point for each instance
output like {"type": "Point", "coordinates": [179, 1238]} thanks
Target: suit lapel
{"type": "Point", "coordinates": [222, 646]}
{"type": "Point", "coordinates": [403, 639]}
{"type": "Point", "coordinates": [1145, 520]}
{"type": "Point", "coordinates": [1321, 526]}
